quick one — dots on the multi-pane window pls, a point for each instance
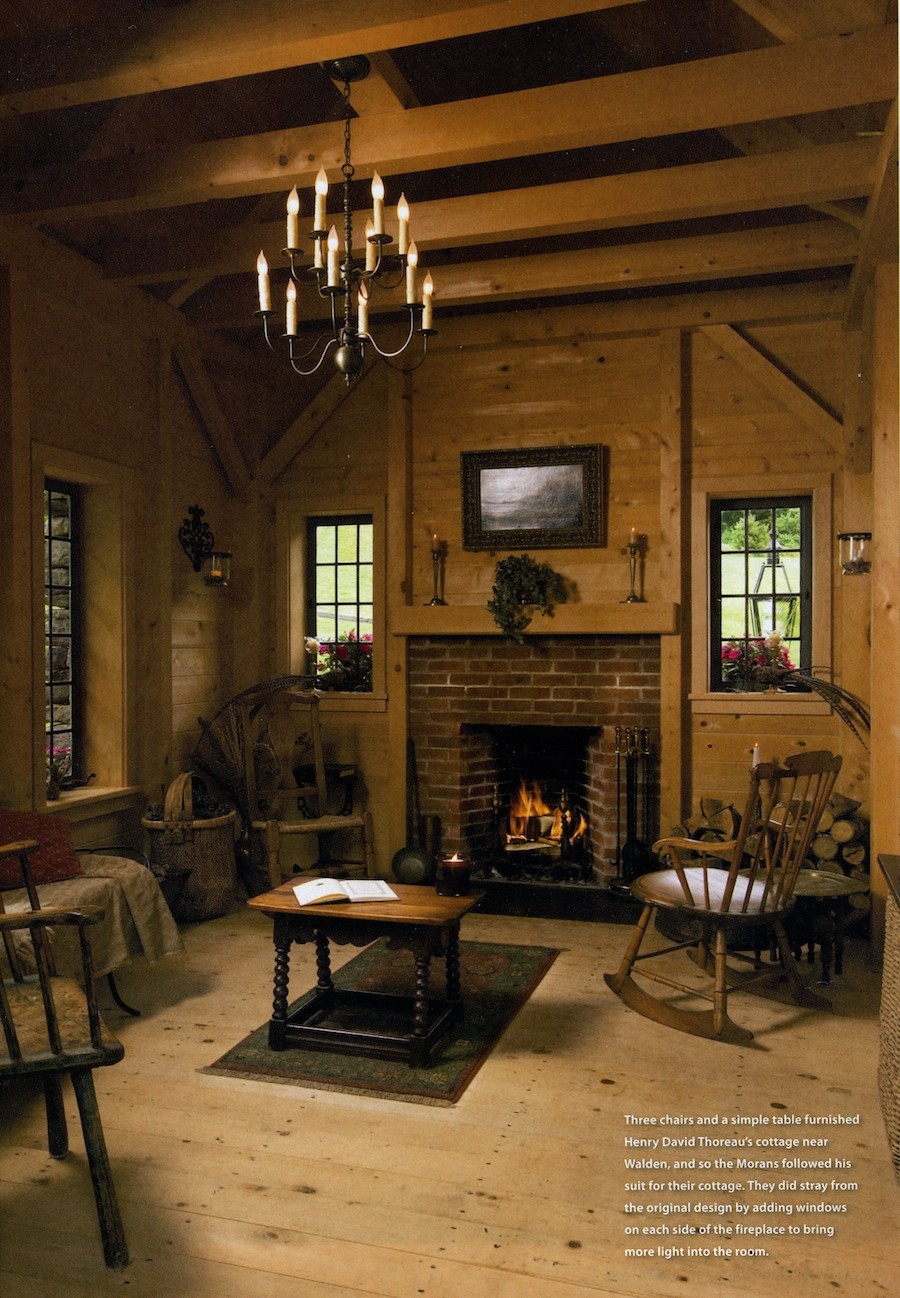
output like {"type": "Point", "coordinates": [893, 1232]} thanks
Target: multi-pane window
{"type": "Point", "coordinates": [339, 607]}
{"type": "Point", "coordinates": [760, 588]}
{"type": "Point", "coordinates": [62, 657]}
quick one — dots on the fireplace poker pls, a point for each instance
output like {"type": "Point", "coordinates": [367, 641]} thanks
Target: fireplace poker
{"type": "Point", "coordinates": [645, 780]}
{"type": "Point", "coordinates": [618, 861]}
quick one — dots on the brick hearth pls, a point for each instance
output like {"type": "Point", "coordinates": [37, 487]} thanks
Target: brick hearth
{"type": "Point", "coordinates": [461, 685]}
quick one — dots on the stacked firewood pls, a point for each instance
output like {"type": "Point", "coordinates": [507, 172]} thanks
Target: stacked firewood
{"type": "Point", "coordinates": [841, 841]}
{"type": "Point", "coordinates": [716, 821]}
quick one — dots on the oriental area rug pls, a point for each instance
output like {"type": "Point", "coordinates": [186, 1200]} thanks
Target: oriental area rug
{"type": "Point", "coordinates": [496, 980]}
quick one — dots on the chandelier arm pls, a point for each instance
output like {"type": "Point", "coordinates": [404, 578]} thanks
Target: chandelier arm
{"type": "Point", "coordinates": [265, 324]}
{"type": "Point", "coordinates": [408, 369]}
{"type": "Point", "coordinates": [323, 340]}
{"type": "Point", "coordinates": [403, 346]}
{"type": "Point", "coordinates": [329, 343]}
{"type": "Point", "coordinates": [379, 276]}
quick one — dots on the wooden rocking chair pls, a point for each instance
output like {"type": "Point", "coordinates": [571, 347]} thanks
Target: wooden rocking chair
{"type": "Point", "coordinates": [51, 1026]}
{"type": "Point", "coordinates": [731, 888]}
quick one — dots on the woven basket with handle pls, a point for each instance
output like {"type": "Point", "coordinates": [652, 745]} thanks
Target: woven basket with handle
{"type": "Point", "coordinates": [201, 849]}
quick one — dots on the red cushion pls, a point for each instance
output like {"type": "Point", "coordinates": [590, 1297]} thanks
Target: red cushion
{"type": "Point", "coordinates": [54, 860]}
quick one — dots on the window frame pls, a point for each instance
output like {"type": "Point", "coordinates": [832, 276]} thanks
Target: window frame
{"type": "Point", "coordinates": [291, 627]}
{"type": "Point", "coordinates": [106, 490]}
{"type": "Point", "coordinates": [769, 487]}
{"type": "Point", "coordinates": [75, 634]}
{"type": "Point", "coordinates": [716, 507]}
{"type": "Point", "coordinates": [314, 521]}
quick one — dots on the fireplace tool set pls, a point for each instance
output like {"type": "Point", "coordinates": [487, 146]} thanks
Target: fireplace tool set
{"type": "Point", "coordinates": [633, 856]}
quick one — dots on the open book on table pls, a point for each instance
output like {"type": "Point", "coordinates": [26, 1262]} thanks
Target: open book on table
{"type": "Point", "coordinates": [319, 890]}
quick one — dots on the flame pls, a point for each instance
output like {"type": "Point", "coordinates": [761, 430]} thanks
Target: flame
{"type": "Point", "coordinates": [528, 803]}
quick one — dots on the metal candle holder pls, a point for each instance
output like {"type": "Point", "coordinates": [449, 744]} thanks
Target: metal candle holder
{"type": "Point", "coordinates": [437, 554]}
{"type": "Point", "coordinates": [634, 549]}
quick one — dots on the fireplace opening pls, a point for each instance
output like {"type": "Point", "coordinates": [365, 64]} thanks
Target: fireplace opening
{"type": "Point", "coordinates": [533, 821]}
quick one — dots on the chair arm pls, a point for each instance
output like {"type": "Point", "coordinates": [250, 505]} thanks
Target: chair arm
{"type": "Point", "coordinates": [16, 849]}
{"type": "Point", "coordinates": [50, 917]}
{"type": "Point", "coordinates": [699, 846]}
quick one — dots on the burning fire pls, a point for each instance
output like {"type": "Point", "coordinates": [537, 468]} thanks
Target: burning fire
{"type": "Point", "coordinates": [531, 819]}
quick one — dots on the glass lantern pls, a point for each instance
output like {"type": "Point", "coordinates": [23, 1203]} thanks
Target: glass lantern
{"type": "Point", "coordinates": [217, 568]}
{"type": "Point", "coordinates": [854, 552]}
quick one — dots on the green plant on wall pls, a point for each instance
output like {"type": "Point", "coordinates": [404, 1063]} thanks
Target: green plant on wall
{"type": "Point", "coordinates": [521, 584]}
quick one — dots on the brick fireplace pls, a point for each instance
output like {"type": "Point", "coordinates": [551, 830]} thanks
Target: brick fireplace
{"type": "Point", "coordinates": [472, 697]}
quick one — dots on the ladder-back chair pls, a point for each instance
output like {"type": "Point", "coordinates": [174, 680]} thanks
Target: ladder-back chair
{"type": "Point", "coordinates": [727, 889]}
{"type": "Point", "coordinates": [51, 1026]}
{"type": "Point", "coordinates": [287, 780]}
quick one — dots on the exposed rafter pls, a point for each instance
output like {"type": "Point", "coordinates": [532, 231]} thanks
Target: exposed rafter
{"type": "Point", "coordinates": [701, 95]}
{"type": "Point", "coordinates": [210, 40]}
{"type": "Point", "coordinates": [551, 150]}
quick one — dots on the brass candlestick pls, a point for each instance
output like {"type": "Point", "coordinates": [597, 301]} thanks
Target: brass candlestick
{"type": "Point", "coordinates": [634, 549]}
{"type": "Point", "coordinates": [437, 555]}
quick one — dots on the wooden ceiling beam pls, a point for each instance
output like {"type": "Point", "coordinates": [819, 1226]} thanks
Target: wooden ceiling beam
{"type": "Point", "coordinates": [798, 20]}
{"type": "Point", "coordinates": [307, 424]}
{"type": "Point", "coordinates": [667, 261]}
{"type": "Point", "coordinates": [781, 386]}
{"type": "Point", "coordinates": [199, 41]}
{"type": "Point", "coordinates": [749, 305]}
{"type": "Point", "coordinates": [750, 184]}
{"type": "Point", "coordinates": [700, 95]}
{"type": "Point", "coordinates": [814, 246]}
{"type": "Point", "coordinates": [878, 239]}
{"type": "Point", "coordinates": [216, 424]}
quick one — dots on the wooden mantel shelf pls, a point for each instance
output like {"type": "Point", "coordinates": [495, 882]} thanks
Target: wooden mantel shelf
{"type": "Point", "coordinates": [657, 618]}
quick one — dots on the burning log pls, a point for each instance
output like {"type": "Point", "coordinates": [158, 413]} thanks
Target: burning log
{"type": "Point", "coordinates": [533, 825]}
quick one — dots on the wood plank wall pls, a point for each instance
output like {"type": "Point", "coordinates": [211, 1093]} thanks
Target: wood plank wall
{"type": "Point", "coordinates": [629, 376]}
{"type": "Point", "coordinates": [557, 377]}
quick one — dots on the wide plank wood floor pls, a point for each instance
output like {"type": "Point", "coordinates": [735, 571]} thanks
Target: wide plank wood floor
{"type": "Point", "coordinates": [237, 1189]}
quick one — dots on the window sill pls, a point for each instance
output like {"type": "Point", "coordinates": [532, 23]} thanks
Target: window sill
{"type": "Point", "coordinates": [784, 703]}
{"type": "Point", "coordinates": [79, 804]}
{"type": "Point", "coordinates": [335, 701]}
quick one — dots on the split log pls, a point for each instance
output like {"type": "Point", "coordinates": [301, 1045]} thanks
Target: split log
{"type": "Point", "coordinates": [850, 830]}
{"type": "Point", "coordinates": [842, 807]}
{"type": "Point", "coordinates": [717, 822]}
{"type": "Point", "coordinates": [826, 820]}
{"type": "Point", "coordinates": [854, 855]}
{"type": "Point", "coordinates": [824, 847]}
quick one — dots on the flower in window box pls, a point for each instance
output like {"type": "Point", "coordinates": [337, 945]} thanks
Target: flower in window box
{"type": "Point", "coordinates": [757, 661]}
{"type": "Point", "coordinates": [345, 664]}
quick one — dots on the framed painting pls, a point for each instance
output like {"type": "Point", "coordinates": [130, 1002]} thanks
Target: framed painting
{"type": "Point", "coordinates": [546, 497]}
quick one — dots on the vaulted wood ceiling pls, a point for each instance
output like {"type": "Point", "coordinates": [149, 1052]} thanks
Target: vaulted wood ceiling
{"type": "Point", "coordinates": [550, 149]}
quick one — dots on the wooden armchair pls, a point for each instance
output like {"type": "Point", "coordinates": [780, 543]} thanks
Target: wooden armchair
{"type": "Point", "coordinates": [51, 1026]}
{"type": "Point", "coordinates": [287, 780]}
{"type": "Point", "coordinates": [728, 889]}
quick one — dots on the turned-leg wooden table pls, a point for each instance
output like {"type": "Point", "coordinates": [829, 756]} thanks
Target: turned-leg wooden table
{"type": "Point", "coordinates": [419, 921]}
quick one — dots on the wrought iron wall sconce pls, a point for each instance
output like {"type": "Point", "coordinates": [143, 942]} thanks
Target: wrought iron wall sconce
{"type": "Point", "coordinates": [198, 543]}
{"type": "Point", "coordinates": [853, 553]}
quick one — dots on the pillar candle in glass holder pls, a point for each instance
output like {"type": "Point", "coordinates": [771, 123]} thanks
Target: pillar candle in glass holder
{"type": "Point", "coordinates": [453, 876]}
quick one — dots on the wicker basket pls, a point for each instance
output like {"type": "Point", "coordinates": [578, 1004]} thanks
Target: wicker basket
{"type": "Point", "coordinates": [889, 1046]}
{"type": "Point", "coordinates": [202, 851]}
